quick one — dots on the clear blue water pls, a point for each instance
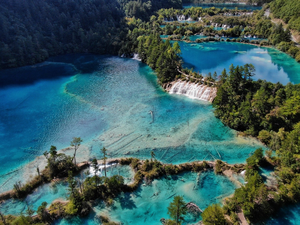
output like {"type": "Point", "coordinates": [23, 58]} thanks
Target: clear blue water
{"type": "Point", "coordinates": [195, 37]}
{"type": "Point", "coordinates": [57, 191]}
{"type": "Point", "coordinates": [46, 193]}
{"type": "Point", "coordinates": [106, 100]}
{"type": "Point", "coordinates": [271, 64]}
{"type": "Point", "coordinates": [221, 6]}
{"type": "Point", "coordinates": [149, 203]}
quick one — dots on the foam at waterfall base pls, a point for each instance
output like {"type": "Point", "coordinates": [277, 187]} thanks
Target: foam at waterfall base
{"type": "Point", "coordinates": [195, 91]}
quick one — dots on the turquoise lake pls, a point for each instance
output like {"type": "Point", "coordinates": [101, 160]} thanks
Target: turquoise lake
{"type": "Point", "coordinates": [107, 100]}
{"type": "Point", "coordinates": [270, 64]}
{"type": "Point", "coordinates": [59, 190]}
{"type": "Point", "coordinates": [149, 203]}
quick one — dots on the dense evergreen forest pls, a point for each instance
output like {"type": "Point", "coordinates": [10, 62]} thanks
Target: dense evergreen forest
{"type": "Point", "coordinates": [271, 113]}
{"type": "Point", "coordinates": [31, 31]}
{"type": "Point", "coordinates": [143, 9]}
{"type": "Point", "coordinates": [288, 11]}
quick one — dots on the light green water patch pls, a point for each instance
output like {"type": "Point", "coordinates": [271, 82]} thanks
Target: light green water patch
{"type": "Point", "coordinates": [116, 103]}
{"type": "Point", "coordinates": [177, 126]}
{"type": "Point", "coordinates": [149, 203]}
{"type": "Point", "coordinates": [195, 37]}
{"type": "Point", "coordinates": [46, 193]}
{"type": "Point", "coordinates": [50, 192]}
{"type": "Point", "coordinates": [271, 64]}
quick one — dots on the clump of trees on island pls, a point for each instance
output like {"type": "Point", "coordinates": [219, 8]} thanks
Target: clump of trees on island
{"type": "Point", "coordinates": [83, 192]}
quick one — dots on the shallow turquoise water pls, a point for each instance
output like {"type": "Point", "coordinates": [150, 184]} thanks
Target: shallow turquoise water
{"type": "Point", "coordinates": [149, 203]}
{"type": "Point", "coordinates": [50, 192]}
{"type": "Point", "coordinates": [46, 193]}
{"type": "Point", "coordinates": [106, 101]}
{"type": "Point", "coordinates": [271, 64]}
{"type": "Point", "coordinates": [195, 37]}
{"type": "Point", "coordinates": [228, 6]}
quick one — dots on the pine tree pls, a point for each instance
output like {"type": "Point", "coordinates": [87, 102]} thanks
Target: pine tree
{"type": "Point", "coordinates": [177, 209]}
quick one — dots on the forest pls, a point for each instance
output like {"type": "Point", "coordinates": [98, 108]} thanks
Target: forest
{"type": "Point", "coordinates": [31, 31]}
{"type": "Point", "coordinates": [143, 9]}
{"type": "Point", "coordinates": [288, 11]}
{"type": "Point", "coordinates": [271, 113]}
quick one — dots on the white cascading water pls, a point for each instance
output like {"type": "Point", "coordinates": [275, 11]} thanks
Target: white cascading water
{"type": "Point", "coordinates": [100, 169]}
{"type": "Point", "coordinates": [136, 57]}
{"type": "Point", "coordinates": [195, 91]}
{"type": "Point", "coordinates": [180, 17]}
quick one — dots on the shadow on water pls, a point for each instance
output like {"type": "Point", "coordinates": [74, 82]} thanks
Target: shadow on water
{"type": "Point", "coordinates": [80, 220]}
{"type": "Point", "coordinates": [53, 68]}
{"type": "Point", "coordinates": [288, 215]}
{"type": "Point", "coordinates": [31, 74]}
{"type": "Point", "coordinates": [126, 201]}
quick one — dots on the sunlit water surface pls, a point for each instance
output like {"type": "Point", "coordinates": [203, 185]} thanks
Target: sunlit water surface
{"type": "Point", "coordinates": [107, 102]}
{"type": "Point", "coordinates": [270, 64]}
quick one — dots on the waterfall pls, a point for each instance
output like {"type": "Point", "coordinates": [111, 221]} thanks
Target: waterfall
{"type": "Point", "coordinates": [192, 90]}
{"type": "Point", "coordinates": [180, 17]}
{"type": "Point", "coordinates": [136, 57]}
{"type": "Point", "coordinates": [100, 169]}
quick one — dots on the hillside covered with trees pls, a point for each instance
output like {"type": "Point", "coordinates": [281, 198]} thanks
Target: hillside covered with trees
{"type": "Point", "coordinates": [31, 31]}
{"type": "Point", "coordinates": [288, 11]}
{"type": "Point", "coordinates": [143, 9]}
{"type": "Point", "coordinates": [271, 113]}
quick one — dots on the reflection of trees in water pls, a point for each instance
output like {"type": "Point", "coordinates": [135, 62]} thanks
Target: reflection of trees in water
{"type": "Point", "coordinates": [278, 58]}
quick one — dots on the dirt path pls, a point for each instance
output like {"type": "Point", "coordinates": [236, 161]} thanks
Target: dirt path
{"type": "Point", "coordinates": [295, 36]}
{"type": "Point", "coordinates": [242, 218]}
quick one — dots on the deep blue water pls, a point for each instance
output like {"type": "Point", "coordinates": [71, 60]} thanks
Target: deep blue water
{"type": "Point", "coordinates": [270, 64]}
{"type": "Point", "coordinates": [106, 101]}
